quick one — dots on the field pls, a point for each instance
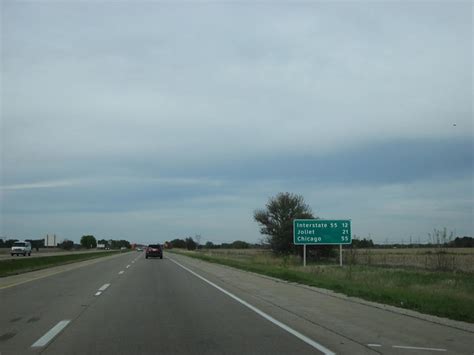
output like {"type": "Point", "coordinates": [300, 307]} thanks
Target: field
{"type": "Point", "coordinates": [453, 259]}
{"type": "Point", "coordinates": [447, 259]}
{"type": "Point", "coordinates": [443, 293]}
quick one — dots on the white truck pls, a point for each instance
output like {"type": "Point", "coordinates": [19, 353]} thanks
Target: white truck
{"type": "Point", "coordinates": [21, 247]}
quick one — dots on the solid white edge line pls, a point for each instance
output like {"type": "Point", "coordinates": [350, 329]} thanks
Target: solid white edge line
{"type": "Point", "coordinates": [104, 287]}
{"type": "Point", "coordinates": [416, 348]}
{"type": "Point", "coordinates": [374, 345]}
{"type": "Point", "coordinates": [261, 313]}
{"type": "Point", "coordinates": [45, 339]}
{"type": "Point", "coordinates": [98, 293]}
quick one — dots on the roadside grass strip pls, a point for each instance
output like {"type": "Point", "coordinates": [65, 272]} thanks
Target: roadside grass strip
{"type": "Point", "coordinates": [21, 265]}
{"type": "Point", "coordinates": [440, 293]}
{"type": "Point", "coordinates": [45, 339]}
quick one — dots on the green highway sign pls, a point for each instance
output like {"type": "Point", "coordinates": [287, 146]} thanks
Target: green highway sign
{"type": "Point", "coordinates": [322, 231]}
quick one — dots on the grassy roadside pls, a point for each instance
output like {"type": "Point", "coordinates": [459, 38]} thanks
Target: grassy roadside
{"type": "Point", "coordinates": [444, 294]}
{"type": "Point", "coordinates": [24, 264]}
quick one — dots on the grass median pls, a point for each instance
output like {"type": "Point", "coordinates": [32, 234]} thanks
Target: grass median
{"type": "Point", "coordinates": [444, 294]}
{"type": "Point", "coordinates": [24, 264]}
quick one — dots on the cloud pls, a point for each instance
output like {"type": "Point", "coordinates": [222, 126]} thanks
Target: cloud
{"type": "Point", "coordinates": [310, 78]}
{"type": "Point", "coordinates": [208, 109]}
{"type": "Point", "coordinates": [40, 185]}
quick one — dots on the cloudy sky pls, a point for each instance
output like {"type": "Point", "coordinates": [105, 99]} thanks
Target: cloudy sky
{"type": "Point", "coordinates": [154, 120]}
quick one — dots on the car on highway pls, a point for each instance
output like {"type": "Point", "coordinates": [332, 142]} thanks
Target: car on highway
{"type": "Point", "coordinates": [21, 247]}
{"type": "Point", "coordinates": [154, 250]}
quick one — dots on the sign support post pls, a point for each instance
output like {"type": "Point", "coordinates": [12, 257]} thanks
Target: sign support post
{"type": "Point", "coordinates": [304, 255]}
{"type": "Point", "coordinates": [340, 254]}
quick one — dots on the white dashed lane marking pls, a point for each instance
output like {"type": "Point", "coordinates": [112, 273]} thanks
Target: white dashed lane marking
{"type": "Point", "coordinates": [416, 348]}
{"type": "Point", "coordinates": [45, 339]}
{"type": "Point", "coordinates": [104, 287]}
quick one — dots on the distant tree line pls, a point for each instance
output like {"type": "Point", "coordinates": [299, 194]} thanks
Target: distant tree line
{"type": "Point", "coordinates": [68, 245]}
{"type": "Point", "coordinates": [190, 244]}
{"type": "Point", "coordinates": [464, 242]}
{"type": "Point", "coordinates": [458, 242]}
{"type": "Point", "coordinates": [87, 241]}
{"type": "Point", "coordinates": [237, 244]}
{"type": "Point", "coordinates": [362, 243]}
{"type": "Point", "coordinates": [187, 243]}
{"type": "Point", "coordinates": [115, 244]}
{"type": "Point", "coordinates": [35, 243]}
{"type": "Point", "coordinates": [90, 242]}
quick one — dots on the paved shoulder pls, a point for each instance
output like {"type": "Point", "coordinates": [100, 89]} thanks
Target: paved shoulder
{"type": "Point", "coordinates": [336, 322]}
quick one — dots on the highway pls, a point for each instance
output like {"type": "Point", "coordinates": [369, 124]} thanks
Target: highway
{"type": "Point", "coordinates": [126, 304]}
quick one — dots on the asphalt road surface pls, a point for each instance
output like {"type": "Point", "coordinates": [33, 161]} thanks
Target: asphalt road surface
{"type": "Point", "coordinates": [131, 305]}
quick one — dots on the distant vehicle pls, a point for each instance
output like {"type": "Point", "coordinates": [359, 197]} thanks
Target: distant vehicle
{"type": "Point", "coordinates": [139, 249]}
{"type": "Point", "coordinates": [154, 250]}
{"type": "Point", "coordinates": [21, 247]}
{"type": "Point", "coordinates": [50, 241]}
{"type": "Point", "coordinates": [100, 246]}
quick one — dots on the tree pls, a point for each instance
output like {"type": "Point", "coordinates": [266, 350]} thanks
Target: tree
{"type": "Point", "coordinates": [36, 243]}
{"type": "Point", "coordinates": [239, 244]}
{"type": "Point", "coordinates": [209, 245]}
{"type": "Point", "coordinates": [8, 243]}
{"type": "Point", "coordinates": [66, 244]}
{"type": "Point", "coordinates": [116, 244]}
{"type": "Point", "coordinates": [88, 241]}
{"type": "Point", "coordinates": [124, 243]}
{"type": "Point", "coordinates": [464, 242]}
{"type": "Point", "coordinates": [362, 243]}
{"type": "Point", "coordinates": [197, 238]}
{"type": "Point", "coordinates": [103, 241]}
{"type": "Point", "coordinates": [178, 243]}
{"type": "Point", "coordinates": [276, 220]}
{"type": "Point", "coordinates": [190, 244]}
